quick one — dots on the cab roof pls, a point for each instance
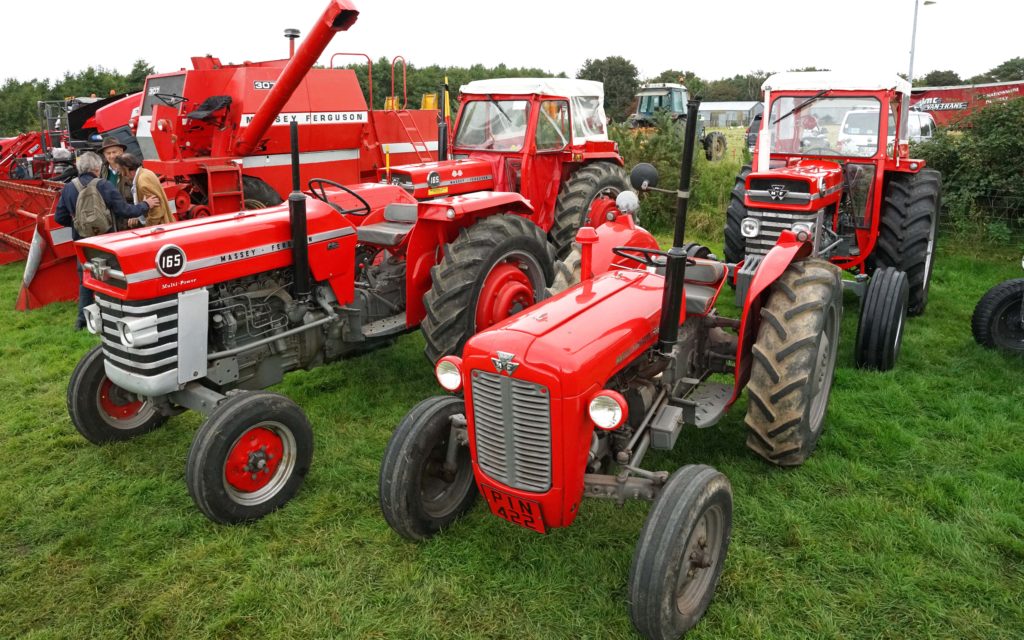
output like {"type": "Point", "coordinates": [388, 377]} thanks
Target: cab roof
{"type": "Point", "coordinates": [561, 87]}
{"type": "Point", "coordinates": [838, 80]}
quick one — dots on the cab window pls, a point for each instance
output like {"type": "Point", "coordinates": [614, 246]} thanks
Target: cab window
{"type": "Point", "coordinates": [553, 126]}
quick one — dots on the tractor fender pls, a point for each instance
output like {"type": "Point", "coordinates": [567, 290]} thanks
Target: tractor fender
{"type": "Point", "coordinates": [787, 250]}
{"type": "Point", "coordinates": [469, 207]}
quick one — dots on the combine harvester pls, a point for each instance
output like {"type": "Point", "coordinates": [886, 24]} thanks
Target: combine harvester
{"type": "Point", "coordinates": [216, 136]}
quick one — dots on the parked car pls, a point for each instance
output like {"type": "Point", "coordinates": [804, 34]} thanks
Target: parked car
{"type": "Point", "coordinates": [858, 133]}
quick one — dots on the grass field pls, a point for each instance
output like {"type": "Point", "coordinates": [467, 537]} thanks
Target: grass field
{"type": "Point", "coordinates": [908, 522]}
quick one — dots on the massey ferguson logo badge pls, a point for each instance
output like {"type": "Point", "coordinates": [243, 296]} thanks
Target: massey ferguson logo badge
{"type": "Point", "coordinates": [503, 363]}
{"type": "Point", "coordinates": [433, 179]}
{"type": "Point", "coordinates": [777, 191]}
{"type": "Point", "coordinates": [170, 260]}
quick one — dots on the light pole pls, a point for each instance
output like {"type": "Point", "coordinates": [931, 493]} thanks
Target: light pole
{"type": "Point", "coordinates": [913, 39]}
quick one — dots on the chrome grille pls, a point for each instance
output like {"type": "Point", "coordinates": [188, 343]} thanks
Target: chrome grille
{"type": "Point", "coordinates": [153, 359]}
{"type": "Point", "coordinates": [512, 427]}
{"type": "Point", "coordinates": [773, 223]}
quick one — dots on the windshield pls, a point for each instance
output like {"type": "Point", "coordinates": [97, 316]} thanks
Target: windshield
{"type": "Point", "coordinates": [650, 104]}
{"type": "Point", "coordinates": [493, 125]}
{"type": "Point", "coordinates": [825, 126]}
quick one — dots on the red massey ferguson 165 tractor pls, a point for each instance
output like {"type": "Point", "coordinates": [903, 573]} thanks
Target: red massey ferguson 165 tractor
{"type": "Point", "coordinates": [203, 313]}
{"type": "Point", "coordinates": [832, 160]}
{"type": "Point", "coordinates": [564, 401]}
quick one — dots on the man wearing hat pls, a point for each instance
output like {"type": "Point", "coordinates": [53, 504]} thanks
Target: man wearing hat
{"type": "Point", "coordinates": [110, 151]}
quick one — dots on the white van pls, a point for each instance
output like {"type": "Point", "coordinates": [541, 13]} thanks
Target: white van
{"type": "Point", "coordinates": [858, 134]}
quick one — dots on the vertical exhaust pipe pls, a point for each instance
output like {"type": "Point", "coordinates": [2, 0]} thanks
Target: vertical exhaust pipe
{"type": "Point", "coordinates": [675, 271]}
{"type": "Point", "coordinates": [442, 123]}
{"type": "Point", "coordinates": [292, 35]}
{"type": "Point", "coordinates": [297, 217]}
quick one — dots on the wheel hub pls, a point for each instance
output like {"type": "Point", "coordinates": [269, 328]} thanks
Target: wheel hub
{"type": "Point", "coordinates": [118, 403]}
{"type": "Point", "coordinates": [253, 461]}
{"type": "Point", "coordinates": [506, 291]}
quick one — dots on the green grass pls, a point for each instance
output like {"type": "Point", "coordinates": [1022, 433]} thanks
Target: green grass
{"type": "Point", "coordinates": [908, 522]}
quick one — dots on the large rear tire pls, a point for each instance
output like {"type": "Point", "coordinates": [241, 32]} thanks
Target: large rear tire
{"type": "Point", "coordinates": [908, 230]}
{"type": "Point", "coordinates": [883, 313]}
{"type": "Point", "coordinates": [258, 194]}
{"type": "Point", "coordinates": [735, 244]}
{"type": "Point", "coordinates": [998, 319]}
{"type": "Point", "coordinates": [249, 457]}
{"type": "Point", "coordinates": [102, 411]}
{"type": "Point", "coordinates": [576, 195]}
{"type": "Point", "coordinates": [418, 495]}
{"type": "Point", "coordinates": [681, 552]}
{"type": "Point", "coordinates": [794, 359]}
{"type": "Point", "coordinates": [495, 268]}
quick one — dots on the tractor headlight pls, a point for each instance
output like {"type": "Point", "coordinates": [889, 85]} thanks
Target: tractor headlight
{"type": "Point", "coordinates": [802, 231]}
{"type": "Point", "coordinates": [750, 227]}
{"type": "Point", "coordinates": [93, 319]}
{"type": "Point", "coordinates": [608, 410]}
{"type": "Point", "coordinates": [138, 332]}
{"type": "Point", "coordinates": [449, 373]}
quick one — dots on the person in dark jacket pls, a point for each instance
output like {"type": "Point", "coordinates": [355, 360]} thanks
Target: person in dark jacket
{"type": "Point", "coordinates": [89, 165]}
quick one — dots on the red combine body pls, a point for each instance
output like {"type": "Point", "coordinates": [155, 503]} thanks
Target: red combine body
{"type": "Point", "coordinates": [564, 400]}
{"type": "Point", "coordinates": [832, 161]}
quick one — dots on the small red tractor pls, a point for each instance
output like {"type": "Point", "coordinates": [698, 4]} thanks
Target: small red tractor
{"type": "Point", "coordinates": [832, 161]}
{"type": "Point", "coordinates": [203, 313]}
{"type": "Point", "coordinates": [564, 401]}
{"type": "Point", "coordinates": [998, 318]}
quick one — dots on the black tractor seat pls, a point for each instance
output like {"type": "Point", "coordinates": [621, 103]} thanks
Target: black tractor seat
{"type": "Point", "coordinates": [398, 222]}
{"type": "Point", "coordinates": [701, 283]}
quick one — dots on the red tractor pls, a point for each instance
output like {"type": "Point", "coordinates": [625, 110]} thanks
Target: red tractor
{"type": "Point", "coordinates": [566, 399]}
{"type": "Point", "coordinates": [203, 313]}
{"type": "Point", "coordinates": [832, 159]}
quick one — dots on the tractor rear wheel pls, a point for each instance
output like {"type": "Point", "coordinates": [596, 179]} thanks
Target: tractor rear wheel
{"type": "Point", "coordinates": [998, 320]}
{"type": "Point", "coordinates": [714, 146]}
{"type": "Point", "coordinates": [249, 457]}
{"type": "Point", "coordinates": [567, 271]}
{"type": "Point", "coordinates": [907, 231]}
{"type": "Point", "coordinates": [578, 192]}
{"type": "Point", "coordinates": [883, 312]}
{"type": "Point", "coordinates": [102, 411]}
{"type": "Point", "coordinates": [794, 359]}
{"type": "Point", "coordinates": [494, 269]}
{"type": "Point", "coordinates": [735, 244]}
{"type": "Point", "coordinates": [681, 553]}
{"type": "Point", "coordinates": [420, 493]}
{"type": "Point", "coordinates": [258, 194]}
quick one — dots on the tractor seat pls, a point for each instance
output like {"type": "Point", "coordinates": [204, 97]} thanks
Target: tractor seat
{"type": "Point", "coordinates": [398, 222]}
{"type": "Point", "coordinates": [701, 284]}
{"type": "Point", "coordinates": [209, 106]}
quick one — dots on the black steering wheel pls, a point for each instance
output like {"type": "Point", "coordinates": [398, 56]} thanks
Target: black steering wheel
{"type": "Point", "coordinates": [647, 257]}
{"type": "Point", "coordinates": [170, 99]}
{"type": "Point", "coordinates": [322, 195]}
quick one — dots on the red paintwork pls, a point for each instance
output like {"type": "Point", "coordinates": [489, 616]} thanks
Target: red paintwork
{"type": "Point", "coordinates": [251, 442]}
{"type": "Point", "coordinates": [114, 409]}
{"type": "Point", "coordinates": [506, 291]}
{"type": "Point", "coordinates": [788, 166]}
{"type": "Point", "coordinates": [453, 177]}
{"type": "Point", "coordinates": [949, 105]}
{"type": "Point", "coordinates": [117, 114]}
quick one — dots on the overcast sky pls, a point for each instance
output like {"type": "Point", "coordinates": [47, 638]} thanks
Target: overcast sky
{"type": "Point", "coordinates": [714, 39]}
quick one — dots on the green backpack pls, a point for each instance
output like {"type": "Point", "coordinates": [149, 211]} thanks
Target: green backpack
{"type": "Point", "coordinates": [92, 217]}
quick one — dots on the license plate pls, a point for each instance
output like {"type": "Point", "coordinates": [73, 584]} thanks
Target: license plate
{"type": "Point", "coordinates": [525, 513]}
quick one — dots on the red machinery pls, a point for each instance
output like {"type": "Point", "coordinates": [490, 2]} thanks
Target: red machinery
{"type": "Point", "coordinates": [564, 401]}
{"type": "Point", "coordinates": [828, 163]}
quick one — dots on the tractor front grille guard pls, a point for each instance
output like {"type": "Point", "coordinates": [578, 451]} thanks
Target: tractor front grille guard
{"type": "Point", "coordinates": [153, 359]}
{"type": "Point", "coordinates": [771, 225]}
{"type": "Point", "coordinates": [512, 427]}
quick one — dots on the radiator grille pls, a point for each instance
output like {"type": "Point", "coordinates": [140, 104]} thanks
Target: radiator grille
{"type": "Point", "coordinates": [153, 359]}
{"type": "Point", "coordinates": [512, 426]}
{"type": "Point", "coordinates": [773, 223]}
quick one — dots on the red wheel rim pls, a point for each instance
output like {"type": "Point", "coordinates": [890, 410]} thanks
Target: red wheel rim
{"type": "Point", "coordinates": [116, 406]}
{"type": "Point", "coordinates": [506, 291]}
{"type": "Point", "coordinates": [254, 459]}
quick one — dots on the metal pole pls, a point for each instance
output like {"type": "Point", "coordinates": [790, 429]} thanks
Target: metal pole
{"type": "Point", "coordinates": [913, 42]}
{"type": "Point", "coordinates": [297, 217]}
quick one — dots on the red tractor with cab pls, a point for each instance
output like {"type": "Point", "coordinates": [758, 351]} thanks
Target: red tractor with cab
{"type": "Point", "coordinates": [564, 401]}
{"type": "Point", "coordinates": [202, 314]}
{"type": "Point", "coordinates": [832, 161]}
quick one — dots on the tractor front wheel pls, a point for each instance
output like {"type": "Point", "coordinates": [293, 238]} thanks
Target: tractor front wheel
{"type": "Point", "coordinates": [735, 244]}
{"type": "Point", "coordinates": [249, 458]}
{"type": "Point", "coordinates": [577, 194]}
{"type": "Point", "coordinates": [426, 478]}
{"type": "Point", "coordinates": [494, 269]}
{"type": "Point", "coordinates": [681, 553]}
{"type": "Point", "coordinates": [794, 359]}
{"type": "Point", "coordinates": [714, 146]}
{"type": "Point", "coordinates": [998, 320]}
{"type": "Point", "coordinates": [883, 311]}
{"type": "Point", "coordinates": [102, 411]}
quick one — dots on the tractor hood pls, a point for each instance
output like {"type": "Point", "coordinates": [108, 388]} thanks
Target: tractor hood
{"type": "Point", "coordinates": [444, 178]}
{"type": "Point", "coordinates": [579, 337]}
{"type": "Point", "coordinates": [804, 184]}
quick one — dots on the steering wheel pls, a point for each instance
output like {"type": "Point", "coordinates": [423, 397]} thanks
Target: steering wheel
{"type": "Point", "coordinates": [820, 150]}
{"type": "Point", "coordinates": [322, 195]}
{"type": "Point", "coordinates": [170, 99]}
{"type": "Point", "coordinates": [647, 257]}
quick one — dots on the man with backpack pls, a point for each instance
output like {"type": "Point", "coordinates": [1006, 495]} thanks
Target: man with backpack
{"type": "Point", "coordinates": [91, 207]}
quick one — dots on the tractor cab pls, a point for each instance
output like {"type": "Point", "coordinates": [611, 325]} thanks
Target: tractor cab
{"type": "Point", "coordinates": [659, 96]}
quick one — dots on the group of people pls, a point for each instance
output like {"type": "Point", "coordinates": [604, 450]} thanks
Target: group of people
{"type": "Point", "coordinates": [131, 193]}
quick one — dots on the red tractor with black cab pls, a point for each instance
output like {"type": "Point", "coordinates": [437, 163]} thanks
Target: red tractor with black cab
{"type": "Point", "coordinates": [565, 400]}
{"type": "Point", "coordinates": [204, 314]}
{"type": "Point", "coordinates": [998, 319]}
{"type": "Point", "coordinates": [832, 161]}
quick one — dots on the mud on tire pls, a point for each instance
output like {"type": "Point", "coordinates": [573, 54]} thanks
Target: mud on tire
{"type": "Point", "coordinates": [735, 244]}
{"type": "Point", "coordinates": [794, 359]}
{"type": "Point", "coordinates": [883, 313]}
{"type": "Point", "coordinates": [458, 280]}
{"type": "Point", "coordinates": [576, 196]}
